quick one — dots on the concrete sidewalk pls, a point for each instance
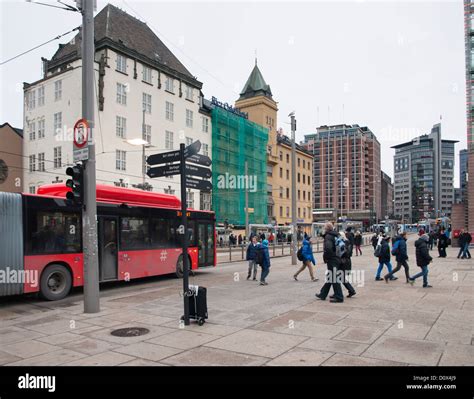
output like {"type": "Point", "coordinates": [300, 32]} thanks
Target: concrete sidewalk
{"type": "Point", "coordinates": [278, 324]}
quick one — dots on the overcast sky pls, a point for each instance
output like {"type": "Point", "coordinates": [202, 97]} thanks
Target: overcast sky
{"type": "Point", "coordinates": [395, 67]}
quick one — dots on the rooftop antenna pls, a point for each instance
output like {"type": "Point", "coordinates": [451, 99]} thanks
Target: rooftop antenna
{"type": "Point", "coordinates": [255, 57]}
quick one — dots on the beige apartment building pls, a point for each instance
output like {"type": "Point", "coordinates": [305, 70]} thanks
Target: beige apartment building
{"type": "Point", "coordinates": [257, 101]}
{"type": "Point", "coordinates": [11, 159]}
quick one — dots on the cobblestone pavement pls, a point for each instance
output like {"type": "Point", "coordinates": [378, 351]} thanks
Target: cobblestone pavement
{"type": "Point", "coordinates": [249, 324]}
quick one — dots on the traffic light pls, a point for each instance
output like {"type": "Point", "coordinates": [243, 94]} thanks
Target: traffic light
{"type": "Point", "coordinates": [76, 184]}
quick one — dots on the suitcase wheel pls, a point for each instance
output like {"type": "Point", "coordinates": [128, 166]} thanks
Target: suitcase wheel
{"type": "Point", "coordinates": [201, 322]}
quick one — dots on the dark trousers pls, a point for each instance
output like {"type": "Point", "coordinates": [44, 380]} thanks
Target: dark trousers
{"type": "Point", "coordinates": [331, 281]}
{"type": "Point", "coordinates": [348, 286]}
{"type": "Point", "coordinates": [399, 266]}
{"type": "Point", "coordinates": [442, 252]}
{"type": "Point", "coordinates": [265, 272]}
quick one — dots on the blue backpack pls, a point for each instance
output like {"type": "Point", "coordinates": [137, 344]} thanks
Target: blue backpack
{"type": "Point", "coordinates": [395, 249]}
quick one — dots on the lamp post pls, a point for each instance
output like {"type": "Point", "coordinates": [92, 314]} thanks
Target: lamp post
{"type": "Point", "coordinates": [145, 144]}
{"type": "Point", "coordinates": [294, 243]}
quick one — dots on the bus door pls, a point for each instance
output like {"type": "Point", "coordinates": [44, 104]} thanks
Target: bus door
{"type": "Point", "coordinates": [108, 248]}
{"type": "Point", "coordinates": [205, 237]}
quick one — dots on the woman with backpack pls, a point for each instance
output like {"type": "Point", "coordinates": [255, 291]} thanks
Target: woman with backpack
{"type": "Point", "coordinates": [383, 253]}
{"type": "Point", "coordinates": [399, 250]}
{"type": "Point", "coordinates": [265, 262]}
{"type": "Point", "coordinates": [305, 254]}
{"type": "Point", "coordinates": [344, 252]}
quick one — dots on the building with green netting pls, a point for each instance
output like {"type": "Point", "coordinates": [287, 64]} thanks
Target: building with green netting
{"type": "Point", "coordinates": [235, 142]}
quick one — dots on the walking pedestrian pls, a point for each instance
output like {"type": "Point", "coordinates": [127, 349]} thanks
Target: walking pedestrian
{"type": "Point", "coordinates": [423, 259]}
{"type": "Point", "coordinates": [384, 257]}
{"type": "Point", "coordinates": [432, 238]}
{"type": "Point", "coordinates": [333, 266]}
{"type": "Point", "coordinates": [266, 263]}
{"type": "Point", "coordinates": [466, 253]}
{"type": "Point", "coordinates": [358, 243]}
{"type": "Point", "coordinates": [442, 242]}
{"type": "Point", "coordinates": [252, 257]}
{"type": "Point", "coordinates": [308, 259]}
{"type": "Point", "coordinates": [462, 240]}
{"type": "Point", "coordinates": [345, 254]}
{"type": "Point", "coordinates": [399, 250]}
{"type": "Point", "coordinates": [374, 240]}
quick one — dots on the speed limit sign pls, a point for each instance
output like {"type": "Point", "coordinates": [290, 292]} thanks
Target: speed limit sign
{"type": "Point", "coordinates": [80, 138]}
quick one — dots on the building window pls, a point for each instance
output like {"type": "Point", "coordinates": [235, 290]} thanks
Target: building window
{"type": "Point", "coordinates": [31, 99]}
{"type": "Point", "coordinates": [121, 63]}
{"type": "Point", "coordinates": [32, 163]}
{"type": "Point", "coordinates": [40, 96]}
{"type": "Point", "coordinates": [146, 133]}
{"type": "Point", "coordinates": [205, 124]}
{"type": "Point", "coordinates": [170, 190]}
{"type": "Point", "coordinates": [169, 111]}
{"type": "Point", "coordinates": [57, 157]}
{"type": "Point", "coordinates": [121, 94]}
{"type": "Point", "coordinates": [121, 127]}
{"type": "Point", "coordinates": [147, 77]}
{"type": "Point", "coordinates": [41, 161]}
{"type": "Point", "coordinates": [146, 103]}
{"type": "Point", "coordinates": [190, 199]}
{"type": "Point", "coordinates": [58, 122]}
{"type": "Point", "coordinates": [205, 200]}
{"type": "Point", "coordinates": [32, 190]}
{"type": "Point", "coordinates": [189, 118]}
{"type": "Point", "coordinates": [189, 93]}
{"type": "Point", "coordinates": [169, 84]}
{"type": "Point", "coordinates": [287, 158]}
{"type": "Point", "coordinates": [41, 129]}
{"type": "Point", "coordinates": [58, 90]}
{"type": "Point", "coordinates": [205, 149]}
{"type": "Point", "coordinates": [189, 141]}
{"type": "Point", "coordinates": [32, 130]}
{"type": "Point", "coordinates": [120, 160]}
{"type": "Point", "coordinates": [169, 140]}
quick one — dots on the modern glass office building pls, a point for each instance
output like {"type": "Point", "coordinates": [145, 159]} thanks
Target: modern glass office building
{"type": "Point", "coordinates": [424, 177]}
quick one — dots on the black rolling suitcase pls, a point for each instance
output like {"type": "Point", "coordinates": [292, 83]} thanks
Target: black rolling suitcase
{"type": "Point", "coordinates": [198, 304]}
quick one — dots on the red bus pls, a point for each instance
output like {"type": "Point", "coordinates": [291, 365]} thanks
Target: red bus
{"type": "Point", "coordinates": [41, 239]}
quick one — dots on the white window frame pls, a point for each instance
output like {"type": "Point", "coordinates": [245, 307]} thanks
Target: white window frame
{"type": "Point", "coordinates": [40, 96]}
{"type": "Point", "coordinates": [121, 63]}
{"type": "Point", "coordinates": [58, 122]}
{"type": "Point", "coordinates": [121, 127]}
{"type": "Point", "coordinates": [57, 151]}
{"type": "Point", "coordinates": [31, 99]}
{"type": "Point", "coordinates": [147, 75]}
{"type": "Point", "coordinates": [189, 141]}
{"type": "Point", "coordinates": [146, 133]}
{"type": "Point", "coordinates": [41, 162]}
{"type": "Point", "coordinates": [189, 118]}
{"type": "Point", "coordinates": [169, 111]}
{"type": "Point", "coordinates": [169, 84]}
{"type": "Point", "coordinates": [146, 103]}
{"type": "Point", "coordinates": [189, 93]}
{"type": "Point", "coordinates": [58, 90]}
{"type": "Point", "coordinates": [121, 94]}
{"type": "Point", "coordinates": [120, 160]}
{"type": "Point", "coordinates": [32, 130]}
{"type": "Point", "coordinates": [32, 159]}
{"type": "Point", "coordinates": [205, 149]}
{"type": "Point", "coordinates": [169, 140]}
{"type": "Point", "coordinates": [205, 124]}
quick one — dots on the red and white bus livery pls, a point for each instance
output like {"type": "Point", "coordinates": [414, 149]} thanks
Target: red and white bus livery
{"type": "Point", "coordinates": [41, 235]}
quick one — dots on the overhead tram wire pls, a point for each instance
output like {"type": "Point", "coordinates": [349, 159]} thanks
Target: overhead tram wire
{"type": "Point", "coordinates": [38, 46]}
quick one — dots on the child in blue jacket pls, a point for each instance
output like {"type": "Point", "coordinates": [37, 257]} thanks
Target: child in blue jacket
{"type": "Point", "coordinates": [308, 259]}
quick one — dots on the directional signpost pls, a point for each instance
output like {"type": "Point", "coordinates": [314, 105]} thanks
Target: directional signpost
{"type": "Point", "coordinates": [188, 180]}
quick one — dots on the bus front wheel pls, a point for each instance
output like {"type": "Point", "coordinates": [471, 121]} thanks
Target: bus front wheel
{"type": "Point", "coordinates": [56, 282]}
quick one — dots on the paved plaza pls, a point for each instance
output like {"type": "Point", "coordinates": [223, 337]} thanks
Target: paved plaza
{"type": "Point", "coordinates": [277, 325]}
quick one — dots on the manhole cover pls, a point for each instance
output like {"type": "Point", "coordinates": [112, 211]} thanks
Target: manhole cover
{"type": "Point", "coordinates": [130, 332]}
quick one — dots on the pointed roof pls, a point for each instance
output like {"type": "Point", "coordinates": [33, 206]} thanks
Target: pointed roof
{"type": "Point", "coordinates": [118, 28]}
{"type": "Point", "coordinates": [256, 85]}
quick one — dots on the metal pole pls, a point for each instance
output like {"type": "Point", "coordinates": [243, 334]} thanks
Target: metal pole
{"type": "Point", "coordinates": [184, 223]}
{"type": "Point", "coordinates": [143, 150]}
{"type": "Point", "coordinates": [89, 233]}
{"type": "Point", "coordinates": [293, 190]}
{"type": "Point", "coordinates": [246, 201]}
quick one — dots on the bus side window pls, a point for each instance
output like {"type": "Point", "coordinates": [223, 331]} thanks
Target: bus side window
{"type": "Point", "coordinates": [134, 233]}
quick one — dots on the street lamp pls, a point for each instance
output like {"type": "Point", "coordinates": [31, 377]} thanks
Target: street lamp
{"type": "Point", "coordinates": [145, 144]}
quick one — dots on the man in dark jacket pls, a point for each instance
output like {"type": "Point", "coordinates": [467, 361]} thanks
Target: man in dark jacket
{"type": "Point", "coordinates": [358, 243]}
{"type": "Point", "coordinates": [333, 265]}
{"type": "Point", "coordinates": [442, 243]}
{"type": "Point", "coordinates": [399, 250]}
{"type": "Point", "coordinates": [374, 240]}
{"type": "Point", "coordinates": [423, 259]}
{"type": "Point", "coordinates": [384, 258]}
{"type": "Point", "coordinates": [466, 253]}
{"type": "Point", "coordinates": [346, 263]}
{"type": "Point", "coordinates": [252, 257]}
